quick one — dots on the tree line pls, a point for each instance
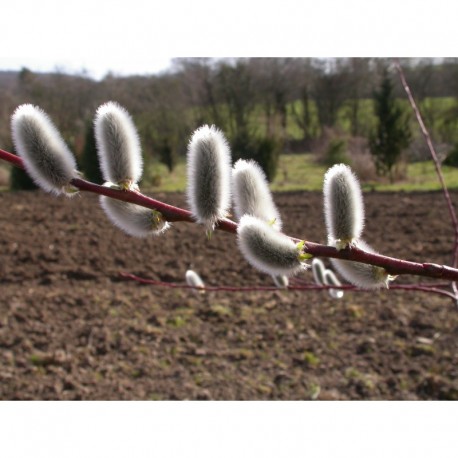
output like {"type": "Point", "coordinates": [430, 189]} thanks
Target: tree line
{"type": "Point", "coordinates": [265, 106]}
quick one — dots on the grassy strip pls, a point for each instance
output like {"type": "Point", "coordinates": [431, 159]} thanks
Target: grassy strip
{"type": "Point", "coordinates": [299, 172]}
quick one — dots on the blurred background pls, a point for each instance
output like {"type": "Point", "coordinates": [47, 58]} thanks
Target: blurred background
{"type": "Point", "coordinates": [295, 116]}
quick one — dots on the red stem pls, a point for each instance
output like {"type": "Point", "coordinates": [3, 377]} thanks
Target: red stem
{"type": "Point", "coordinates": [392, 265]}
{"type": "Point", "coordinates": [294, 287]}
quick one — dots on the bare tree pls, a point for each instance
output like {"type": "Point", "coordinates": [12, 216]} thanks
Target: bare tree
{"type": "Point", "coordinates": [198, 77]}
{"type": "Point", "coordinates": [330, 89]}
{"type": "Point", "coordinates": [302, 110]}
{"type": "Point", "coordinates": [358, 87]}
{"type": "Point", "coordinates": [276, 80]}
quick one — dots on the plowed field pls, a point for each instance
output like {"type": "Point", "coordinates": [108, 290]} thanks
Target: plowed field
{"type": "Point", "coordinates": [72, 328]}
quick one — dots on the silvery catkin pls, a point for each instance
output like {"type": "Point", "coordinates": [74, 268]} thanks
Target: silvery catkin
{"type": "Point", "coordinates": [281, 281]}
{"type": "Point", "coordinates": [343, 206]}
{"type": "Point", "coordinates": [330, 279]}
{"type": "Point", "coordinates": [362, 275]}
{"type": "Point", "coordinates": [47, 158]}
{"type": "Point", "coordinates": [209, 174]}
{"type": "Point", "coordinates": [251, 193]}
{"type": "Point", "coordinates": [193, 279]}
{"type": "Point", "coordinates": [133, 219]}
{"type": "Point", "coordinates": [318, 270]}
{"type": "Point", "coordinates": [268, 250]}
{"type": "Point", "coordinates": [118, 145]}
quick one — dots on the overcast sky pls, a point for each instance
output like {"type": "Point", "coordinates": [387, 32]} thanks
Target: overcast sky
{"type": "Point", "coordinates": [142, 36]}
{"type": "Point", "coordinates": [94, 67]}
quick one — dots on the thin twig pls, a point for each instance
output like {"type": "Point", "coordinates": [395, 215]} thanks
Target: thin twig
{"type": "Point", "coordinates": [302, 281]}
{"type": "Point", "coordinates": [292, 287]}
{"type": "Point", "coordinates": [436, 161]}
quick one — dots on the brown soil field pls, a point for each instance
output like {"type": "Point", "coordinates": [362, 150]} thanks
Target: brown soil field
{"type": "Point", "coordinates": [72, 328]}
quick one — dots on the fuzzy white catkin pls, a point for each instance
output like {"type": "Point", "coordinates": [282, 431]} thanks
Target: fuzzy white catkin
{"type": "Point", "coordinates": [318, 270]}
{"type": "Point", "coordinates": [135, 220]}
{"type": "Point", "coordinates": [251, 193]}
{"type": "Point", "coordinates": [343, 205]}
{"type": "Point", "coordinates": [266, 249]}
{"type": "Point", "coordinates": [47, 158]}
{"type": "Point", "coordinates": [330, 279]}
{"type": "Point", "coordinates": [208, 174]}
{"type": "Point", "coordinates": [193, 279]}
{"type": "Point", "coordinates": [281, 281]}
{"type": "Point", "coordinates": [118, 145]}
{"type": "Point", "coordinates": [359, 274]}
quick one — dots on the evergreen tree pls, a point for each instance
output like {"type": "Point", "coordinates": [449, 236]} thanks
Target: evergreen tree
{"type": "Point", "coordinates": [19, 179]}
{"type": "Point", "coordinates": [392, 134]}
{"type": "Point", "coordinates": [89, 158]}
{"type": "Point", "coordinates": [265, 151]}
{"type": "Point", "coordinates": [167, 154]}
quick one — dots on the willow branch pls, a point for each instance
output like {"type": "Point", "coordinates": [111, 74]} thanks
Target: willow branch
{"type": "Point", "coordinates": [393, 266]}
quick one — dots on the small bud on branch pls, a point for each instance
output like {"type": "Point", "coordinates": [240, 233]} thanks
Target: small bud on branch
{"type": "Point", "coordinates": [281, 281]}
{"type": "Point", "coordinates": [193, 279]}
{"type": "Point", "coordinates": [330, 279]}
{"type": "Point", "coordinates": [318, 270]}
